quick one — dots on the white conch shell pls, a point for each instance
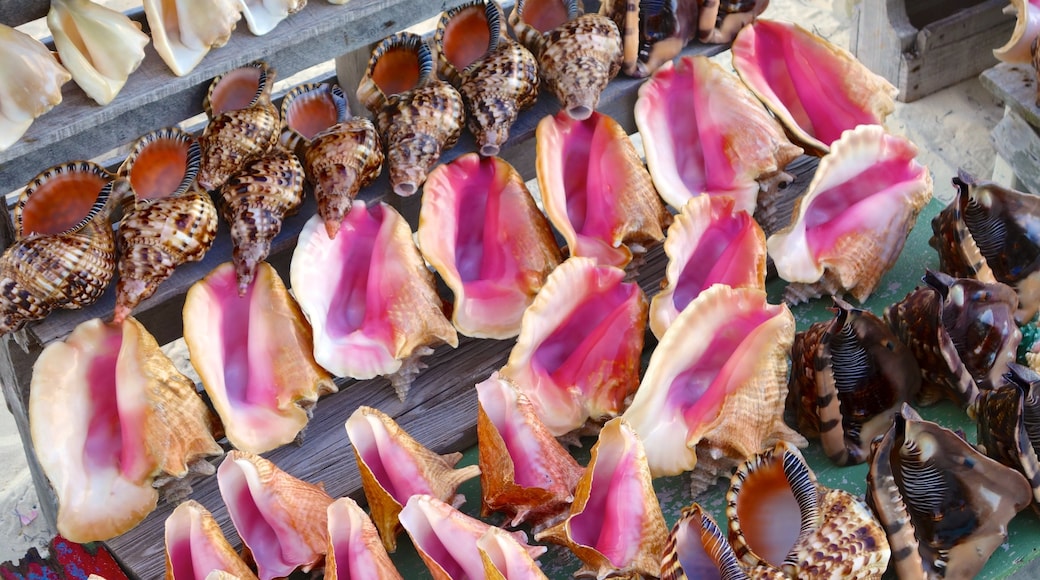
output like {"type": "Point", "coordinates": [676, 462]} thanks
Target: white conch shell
{"type": "Point", "coordinates": [184, 30]}
{"type": "Point", "coordinates": [32, 83]}
{"type": "Point", "coordinates": [1027, 28]}
{"type": "Point", "coordinates": [263, 15]}
{"type": "Point", "coordinates": [98, 45]}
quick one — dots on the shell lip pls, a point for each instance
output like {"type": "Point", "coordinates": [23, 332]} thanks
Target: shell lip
{"type": "Point", "coordinates": [311, 108]}
{"type": "Point", "coordinates": [465, 36]}
{"type": "Point", "coordinates": [239, 88]}
{"type": "Point", "coordinates": [383, 78]}
{"type": "Point", "coordinates": [149, 149]}
{"type": "Point", "coordinates": [26, 212]}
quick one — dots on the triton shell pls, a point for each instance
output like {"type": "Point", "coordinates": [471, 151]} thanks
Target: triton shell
{"type": "Point", "coordinates": [281, 520]}
{"type": "Point", "coordinates": [168, 221]}
{"type": "Point", "coordinates": [533, 20]}
{"type": "Point", "coordinates": [653, 32]}
{"type": "Point", "coordinates": [577, 356]}
{"type": "Point", "coordinates": [945, 506]}
{"type": "Point", "coordinates": [184, 31]}
{"type": "Point", "coordinates": [244, 125]}
{"type": "Point", "coordinates": [708, 243]}
{"type": "Point", "coordinates": [112, 420]}
{"type": "Point", "coordinates": [98, 45]}
{"type": "Point", "coordinates": [716, 383]}
{"type": "Point", "coordinates": [369, 296]}
{"type": "Point", "coordinates": [253, 354]}
{"type": "Point", "coordinates": [615, 524]}
{"type": "Point", "coordinates": [785, 65]}
{"type": "Point", "coordinates": [992, 233]}
{"type": "Point", "coordinates": [417, 115]}
{"type": "Point", "coordinates": [850, 375]}
{"type": "Point", "coordinates": [309, 109]}
{"type": "Point", "coordinates": [197, 548]}
{"type": "Point", "coordinates": [1027, 29]}
{"type": "Point", "coordinates": [698, 548]}
{"type": "Point", "coordinates": [63, 255]}
{"type": "Point", "coordinates": [962, 333]}
{"type": "Point", "coordinates": [255, 202]}
{"type": "Point", "coordinates": [496, 77]}
{"type": "Point", "coordinates": [480, 229]}
{"type": "Point", "coordinates": [1007, 419]}
{"type": "Point", "coordinates": [780, 517]}
{"type": "Point", "coordinates": [704, 132]}
{"type": "Point", "coordinates": [524, 471]}
{"type": "Point", "coordinates": [849, 227]}
{"type": "Point", "coordinates": [446, 540]}
{"type": "Point", "coordinates": [595, 189]}
{"type": "Point", "coordinates": [354, 551]}
{"type": "Point", "coordinates": [395, 467]}
{"type": "Point", "coordinates": [264, 15]}
{"type": "Point", "coordinates": [32, 83]}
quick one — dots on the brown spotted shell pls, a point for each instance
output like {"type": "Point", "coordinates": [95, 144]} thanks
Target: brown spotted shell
{"type": "Point", "coordinates": [1009, 425]}
{"type": "Point", "coordinates": [339, 162]}
{"type": "Point", "coordinates": [238, 88]}
{"type": "Point", "coordinates": [168, 221]}
{"type": "Point", "coordinates": [992, 233]}
{"type": "Point", "coordinates": [944, 505]}
{"type": "Point", "coordinates": [780, 517]}
{"type": "Point", "coordinates": [64, 252]}
{"type": "Point", "coordinates": [962, 333]}
{"type": "Point", "coordinates": [236, 136]}
{"type": "Point", "coordinates": [580, 58]}
{"type": "Point", "coordinates": [496, 77]}
{"type": "Point", "coordinates": [849, 376]}
{"type": "Point", "coordinates": [309, 109]}
{"type": "Point", "coordinates": [255, 201]}
{"type": "Point", "coordinates": [417, 116]}
{"type": "Point", "coordinates": [533, 20]}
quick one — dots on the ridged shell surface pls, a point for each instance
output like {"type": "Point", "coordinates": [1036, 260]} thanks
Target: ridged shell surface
{"type": "Point", "coordinates": [32, 83]}
{"type": "Point", "coordinates": [110, 417]}
{"type": "Point", "coordinates": [196, 546]}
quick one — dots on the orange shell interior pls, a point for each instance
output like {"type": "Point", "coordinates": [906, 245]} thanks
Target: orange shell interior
{"type": "Point", "coordinates": [545, 15]}
{"type": "Point", "coordinates": [313, 112]}
{"type": "Point", "coordinates": [396, 71]}
{"type": "Point", "coordinates": [768, 512]}
{"type": "Point", "coordinates": [235, 90]}
{"type": "Point", "coordinates": [159, 169]}
{"type": "Point", "coordinates": [61, 202]}
{"type": "Point", "coordinates": [466, 37]}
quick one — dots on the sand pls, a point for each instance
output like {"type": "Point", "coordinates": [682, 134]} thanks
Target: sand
{"type": "Point", "coordinates": [951, 129]}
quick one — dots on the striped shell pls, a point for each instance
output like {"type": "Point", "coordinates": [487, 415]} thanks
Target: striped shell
{"type": "Point", "coordinates": [64, 252]}
{"type": "Point", "coordinates": [533, 20]}
{"type": "Point", "coordinates": [1008, 417]}
{"type": "Point", "coordinates": [309, 109]}
{"type": "Point", "coordinates": [580, 57]}
{"type": "Point", "coordinates": [255, 201]}
{"type": "Point", "coordinates": [417, 115]}
{"type": "Point", "coordinates": [496, 77]}
{"type": "Point", "coordinates": [168, 221]}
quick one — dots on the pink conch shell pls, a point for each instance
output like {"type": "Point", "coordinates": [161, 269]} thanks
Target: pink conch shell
{"type": "Point", "coordinates": [816, 89]}
{"type": "Point", "coordinates": [705, 132]}
{"type": "Point", "coordinates": [708, 243]}
{"type": "Point", "coordinates": [446, 540]}
{"type": "Point", "coordinates": [253, 353]}
{"type": "Point", "coordinates": [481, 230]}
{"type": "Point", "coordinates": [850, 226]}
{"type": "Point", "coordinates": [716, 383]}
{"type": "Point", "coordinates": [197, 548]}
{"type": "Point", "coordinates": [111, 417]}
{"type": "Point", "coordinates": [369, 296]}
{"type": "Point", "coordinates": [281, 519]}
{"type": "Point", "coordinates": [524, 471]}
{"type": "Point", "coordinates": [1027, 28]}
{"type": "Point", "coordinates": [577, 357]}
{"type": "Point", "coordinates": [395, 467]}
{"type": "Point", "coordinates": [615, 525]}
{"type": "Point", "coordinates": [506, 558]}
{"type": "Point", "coordinates": [354, 551]}
{"type": "Point", "coordinates": [595, 189]}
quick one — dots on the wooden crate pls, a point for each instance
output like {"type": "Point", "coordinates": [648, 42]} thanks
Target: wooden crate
{"type": "Point", "coordinates": [1016, 138]}
{"type": "Point", "coordinates": [922, 46]}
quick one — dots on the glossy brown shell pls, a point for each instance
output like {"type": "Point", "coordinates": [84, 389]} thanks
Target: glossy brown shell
{"type": "Point", "coordinates": [849, 377]}
{"type": "Point", "coordinates": [1009, 425]}
{"type": "Point", "coordinates": [238, 88]}
{"type": "Point", "coordinates": [533, 20]}
{"type": "Point", "coordinates": [309, 109]}
{"type": "Point", "coordinates": [339, 162]}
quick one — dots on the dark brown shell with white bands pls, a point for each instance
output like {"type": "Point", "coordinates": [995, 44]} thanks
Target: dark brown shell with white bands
{"type": "Point", "coordinates": [831, 533]}
{"type": "Point", "coordinates": [944, 505]}
{"type": "Point", "coordinates": [339, 162]}
{"type": "Point", "coordinates": [417, 116]}
{"type": "Point", "coordinates": [63, 255]}
{"type": "Point", "coordinates": [992, 233]}
{"type": "Point", "coordinates": [962, 333]}
{"type": "Point", "coordinates": [698, 548]}
{"type": "Point", "coordinates": [496, 77]}
{"type": "Point", "coordinates": [167, 222]}
{"type": "Point", "coordinates": [1009, 425]}
{"type": "Point", "coordinates": [849, 377]}
{"type": "Point", "coordinates": [236, 136]}
{"type": "Point", "coordinates": [255, 201]}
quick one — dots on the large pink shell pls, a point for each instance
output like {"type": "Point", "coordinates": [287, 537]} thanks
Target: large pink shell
{"type": "Point", "coordinates": [850, 226]}
{"type": "Point", "coordinates": [717, 381]}
{"type": "Point", "coordinates": [355, 551]}
{"type": "Point", "coordinates": [704, 132]}
{"type": "Point", "coordinates": [481, 230]}
{"type": "Point", "coordinates": [595, 189]}
{"type": "Point", "coordinates": [708, 243]}
{"type": "Point", "coordinates": [816, 89]}
{"type": "Point", "coordinates": [368, 295]}
{"type": "Point", "coordinates": [577, 357]}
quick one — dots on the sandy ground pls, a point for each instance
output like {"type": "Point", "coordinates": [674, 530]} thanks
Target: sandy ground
{"type": "Point", "coordinates": [951, 128]}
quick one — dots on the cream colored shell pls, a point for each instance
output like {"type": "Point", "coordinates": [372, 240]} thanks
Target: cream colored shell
{"type": "Point", "coordinates": [32, 83]}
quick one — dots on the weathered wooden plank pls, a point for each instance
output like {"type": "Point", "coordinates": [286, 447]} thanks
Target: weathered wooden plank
{"type": "Point", "coordinates": [18, 12]}
{"type": "Point", "coordinates": [1015, 84]}
{"type": "Point", "coordinates": [1017, 142]}
{"type": "Point", "coordinates": [153, 97]}
{"type": "Point", "coordinates": [921, 13]}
